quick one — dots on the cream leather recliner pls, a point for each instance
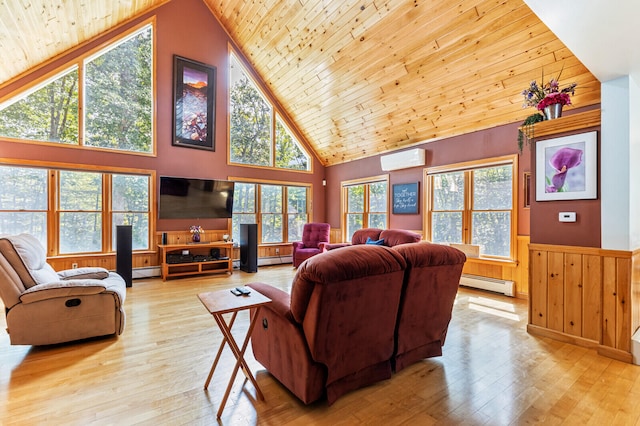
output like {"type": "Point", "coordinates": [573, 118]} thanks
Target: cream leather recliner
{"type": "Point", "coordinates": [46, 307]}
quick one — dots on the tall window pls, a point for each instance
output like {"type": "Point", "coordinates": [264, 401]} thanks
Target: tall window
{"type": "Point", "coordinates": [271, 209]}
{"type": "Point", "coordinates": [297, 214]}
{"type": "Point", "coordinates": [130, 206]}
{"type": "Point", "coordinates": [80, 201]}
{"type": "Point", "coordinates": [279, 210]}
{"type": "Point", "coordinates": [117, 88]}
{"type": "Point", "coordinates": [244, 207]}
{"type": "Point", "coordinates": [257, 136]}
{"type": "Point", "coordinates": [24, 201]}
{"type": "Point", "coordinates": [81, 210]}
{"type": "Point", "coordinates": [250, 119]}
{"type": "Point", "coordinates": [474, 206]}
{"type": "Point", "coordinates": [365, 205]}
{"type": "Point", "coordinates": [118, 95]}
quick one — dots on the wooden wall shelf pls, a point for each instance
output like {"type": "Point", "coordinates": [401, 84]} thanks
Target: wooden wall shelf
{"type": "Point", "coordinates": [567, 123]}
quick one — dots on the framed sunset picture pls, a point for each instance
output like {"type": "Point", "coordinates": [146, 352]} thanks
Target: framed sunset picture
{"type": "Point", "coordinates": [193, 104]}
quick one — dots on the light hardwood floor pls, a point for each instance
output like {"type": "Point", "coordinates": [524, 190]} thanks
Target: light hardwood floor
{"type": "Point", "coordinates": [492, 372]}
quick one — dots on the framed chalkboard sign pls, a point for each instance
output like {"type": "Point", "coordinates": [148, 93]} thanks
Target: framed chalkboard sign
{"type": "Point", "coordinates": [405, 198]}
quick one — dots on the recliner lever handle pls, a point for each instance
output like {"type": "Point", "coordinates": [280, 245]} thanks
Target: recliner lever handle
{"type": "Point", "coordinates": [71, 303]}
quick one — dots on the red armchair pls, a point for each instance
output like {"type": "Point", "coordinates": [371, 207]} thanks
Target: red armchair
{"type": "Point", "coordinates": [315, 237]}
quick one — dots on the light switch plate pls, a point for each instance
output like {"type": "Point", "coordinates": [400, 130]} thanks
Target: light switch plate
{"type": "Point", "coordinates": [567, 216]}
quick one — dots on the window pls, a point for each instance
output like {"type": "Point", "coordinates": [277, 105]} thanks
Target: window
{"type": "Point", "coordinates": [48, 112]}
{"type": "Point", "coordinates": [257, 135]}
{"type": "Point", "coordinates": [289, 155]}
{"type": "Point", "coordinates": [24, 201]}
{"type": "Point", "coordinates": [244, 207]}
{"type": "Point", "coordinates": [117, 88]}
{"type": "Point", "coordinates": [474, 205]}
{"type": "Point", "coordinates": [365, 205]}
{"type": "Point", "coordinates": [279, 210]}
{"type": "Point", "coordinates": [86, 208]}
{"type": "Point", "coordinates": [80, 201]}
{"type": "Point", "coordinates": [297, 214]}
{"type": "Point", "coordinates": [271, 213]}
{"type": "Point", "coordinates": [250, 120]}
{"type": "Point", "coordinates": [130, 206]}
{"type": "Point", "coordinates": [118, 95]}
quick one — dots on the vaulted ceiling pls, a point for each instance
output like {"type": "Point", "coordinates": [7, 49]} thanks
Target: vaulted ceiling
{"type": "Point", "coordinates": [356, 77]}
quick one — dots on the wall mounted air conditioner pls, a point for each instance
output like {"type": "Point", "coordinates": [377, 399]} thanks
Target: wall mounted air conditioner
{"type": "Point", "coordinates": [403, 159]}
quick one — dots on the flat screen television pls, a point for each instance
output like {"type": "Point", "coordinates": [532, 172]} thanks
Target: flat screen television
{"type": "Point", "coordinates": [184, 198]}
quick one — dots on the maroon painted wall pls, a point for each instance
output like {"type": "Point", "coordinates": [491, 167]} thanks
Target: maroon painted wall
{"type": "Point", "coordinates": [186, 28]}
{"type": "Point", "coordinates": [545, 226]}
{"type": "Point", "coordinates": [493, 142]}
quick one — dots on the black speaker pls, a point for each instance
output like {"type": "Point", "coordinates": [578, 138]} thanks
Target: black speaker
{"type": "Point", "coordinates": [123, 253]}
{"type": "Point", "coordinates": [249, 247]}
{"type": "Point", "coordinates": [164, 238]}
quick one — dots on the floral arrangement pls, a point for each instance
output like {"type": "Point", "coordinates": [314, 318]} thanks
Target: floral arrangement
{"type": "Point", "coordinates": [196, 229]}
{"type": "Point", "coordinates": [541, 96]}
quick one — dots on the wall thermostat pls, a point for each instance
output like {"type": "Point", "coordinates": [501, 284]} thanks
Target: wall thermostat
{"type": "Point", "coordinates": [567, 216]}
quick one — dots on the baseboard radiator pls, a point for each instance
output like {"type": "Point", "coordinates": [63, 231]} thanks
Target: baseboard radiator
{"type": "Point", "coordinates": [505, 287]}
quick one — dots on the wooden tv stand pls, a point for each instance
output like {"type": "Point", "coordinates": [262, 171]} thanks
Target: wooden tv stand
{"type": "Point", "coordinates": [192, 267]}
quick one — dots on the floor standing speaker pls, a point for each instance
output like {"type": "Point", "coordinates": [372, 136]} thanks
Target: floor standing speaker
{"type": "Point", "coordinates": [123, 253]}
{"type": "Point", "coordinates": [249, 247]}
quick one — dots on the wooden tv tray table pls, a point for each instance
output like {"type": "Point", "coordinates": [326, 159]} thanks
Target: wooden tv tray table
{"type": "Point", "coordinates": [192, 268]}
{"type": "Point", "coordinates": [222, 302]}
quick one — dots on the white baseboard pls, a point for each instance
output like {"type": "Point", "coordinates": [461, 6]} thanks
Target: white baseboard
{"type": "Point", "coordinates": [148, 272]}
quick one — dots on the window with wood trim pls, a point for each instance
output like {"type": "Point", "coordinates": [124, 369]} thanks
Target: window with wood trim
{"type": "Point", "coordinates": [80, 207]}
{"type": "Point", "coordinates": [474, 204]}
{"type": "Point", "coordinates": [258, 135]}
{"type": "Point", "coordinates": [115, 88]}
{"type": "Point", "coordinates": [24, 201]}
{"type": "Point", "coordinates": [279, 210]}
{"type": "Point", "coordinates": [365, 204]}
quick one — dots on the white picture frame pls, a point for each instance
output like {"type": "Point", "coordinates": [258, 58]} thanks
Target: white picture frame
{"type": "Point", "coordinates": [567, 168]}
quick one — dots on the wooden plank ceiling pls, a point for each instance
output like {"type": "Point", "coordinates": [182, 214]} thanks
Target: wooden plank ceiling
{"type": "Point", "coordinates": [357, 78]}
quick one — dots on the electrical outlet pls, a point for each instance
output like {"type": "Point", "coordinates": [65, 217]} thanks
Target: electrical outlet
{"type": "Point", "coordinates": [74, 266]}
{"type": "Point", "coordinates": [277, 251]}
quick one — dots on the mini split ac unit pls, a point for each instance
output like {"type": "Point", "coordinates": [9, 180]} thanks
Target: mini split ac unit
{"type": "Point", "coordinates": [402, 160]}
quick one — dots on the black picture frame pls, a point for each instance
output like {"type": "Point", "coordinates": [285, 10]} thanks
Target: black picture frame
{"type": "Point", "coordinates": [194, 98]}
{"type": "Point", "coordinates": [405, 198]}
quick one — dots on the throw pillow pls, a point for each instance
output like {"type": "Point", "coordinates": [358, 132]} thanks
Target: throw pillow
{"type": "Point", "coordinates": [84, 273]}
{"type": "Point", "coordinates": [375, 242]}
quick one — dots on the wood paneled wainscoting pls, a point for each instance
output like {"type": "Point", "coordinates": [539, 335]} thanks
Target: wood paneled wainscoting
{"type": "Point", "coordinates": [585, 296]}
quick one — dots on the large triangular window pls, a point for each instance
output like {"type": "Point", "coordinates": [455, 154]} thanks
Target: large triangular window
{"type": "Point", "coordinates": [257, 136]}
{"type": "Point", "coordinates": [289, 153]}
{"type": "Point", "coordinates": [47, 112]}
{"type": "Point", "coordinates": [116, 86]}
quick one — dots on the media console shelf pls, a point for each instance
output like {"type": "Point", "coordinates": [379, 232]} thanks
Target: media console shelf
{"type": "Point", "coordinates": [190, 265]}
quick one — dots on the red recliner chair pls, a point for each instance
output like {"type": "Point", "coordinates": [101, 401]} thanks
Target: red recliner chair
{"type": "Point", "coordinates": [315, 237]}
{"type": "Point", "coordinates": [431, 283]}
{"type": "Point", "coordinates": [335, 332]}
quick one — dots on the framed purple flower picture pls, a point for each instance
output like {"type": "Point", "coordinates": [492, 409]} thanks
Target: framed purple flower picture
{"type": "Point", "coordinates": [567, 168]}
